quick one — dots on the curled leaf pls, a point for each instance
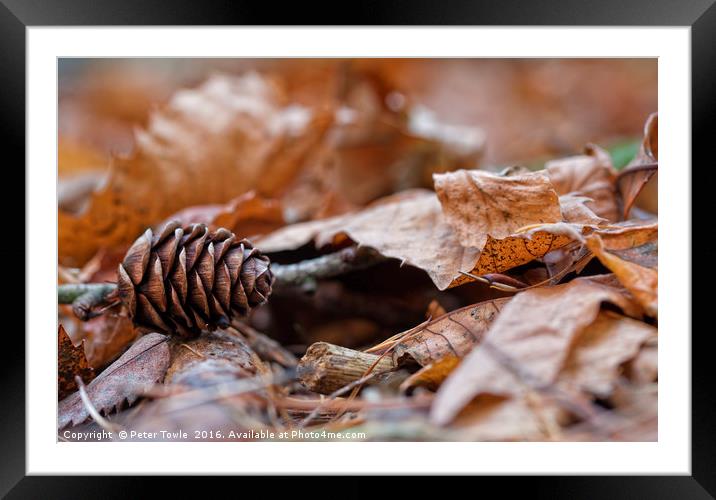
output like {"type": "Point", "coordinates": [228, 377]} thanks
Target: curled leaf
{"type": "Point", "coordinates": [642, 168]}
{"type": "Point", "coordinates": [590, 175]}
{"type": "Point", "coordinates": [641, 281]}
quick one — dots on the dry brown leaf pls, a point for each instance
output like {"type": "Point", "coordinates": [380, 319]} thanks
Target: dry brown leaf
{"type": "Point", "coordinates": [638, 244]}
{"type": "Point", "coordinates": [454, 334]}
{"type": "Point", "coordinates": [481, 205]}
{"type": "Point", "coordinates": [642, 168]}
{"type": "Point", "coordinates": [643, 369]}
{"type": "Point", "coordinates": [532, 334]}
{"type": "Point", "coordinates": [575, 210]}
{"type": "Point", "coordinates": [207, 145]}
{"type": "Point", "coordinates": [212, 358]}
{"type": "Point", "coordinates": [500, 255]}
{"type": "Point", "coordinates": [106, 336]}
{"type": "Point", "coordinates": [71, 361]}
{"type": "Point", "coordinates": [246, 215]}
{"type": "Point", "coordinates": [411, 227]}
{"type": "Point", "coordinates": [126, 379]}
{"type": "Point", "coordinates": [591, 175]}
{"type": "Point", "coordinates": [642, 282]}
{"type": "Point", "coordinates": [408, 226]}
{"type": "Point", "coordinates": [432, 375]}
{"type": "Point", "coordinates": [493, 418]}
{"type": "Point", "coordinates": [434, 309]}
{"type": "Point", "coordinates": [594, 360]}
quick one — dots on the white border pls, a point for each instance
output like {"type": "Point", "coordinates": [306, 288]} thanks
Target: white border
{"type": "Point", "coordinates": [670, 455]}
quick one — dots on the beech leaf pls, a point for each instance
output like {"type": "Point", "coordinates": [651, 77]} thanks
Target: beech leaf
{"type": "Point", "coordinates": [641, 281]}
{"type": "Point", "coordinates": [594, 360]}
{"type": "Point", "coordinates": [136, 371]}
{"type": "Point", "coordinates": [453, 334]}
{"type": "Point", "coordinates": [481, 205]}
{"type": "Point", "coordinates": [71, 361]}
{"type": "Point", "coordinates": [533, 331]}
{"type": "Point", "coordinates": [590, 175]}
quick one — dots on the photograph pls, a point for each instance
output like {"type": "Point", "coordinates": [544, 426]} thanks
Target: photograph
{"type": "Point", "coordinates": [357, 249]}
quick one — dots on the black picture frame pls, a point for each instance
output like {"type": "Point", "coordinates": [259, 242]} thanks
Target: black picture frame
{"type": "Point", "coordinates": [16, 15]}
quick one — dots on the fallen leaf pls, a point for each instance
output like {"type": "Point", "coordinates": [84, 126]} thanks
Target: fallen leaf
{"type": "Point", "coordinates": [638, 244]}
{"type": "Point", "coordinates": [411, 227]}
{"type": "Point", "coordinates": [594, 360]}
{"type": "Point", "coordinates": [408, 226]}
{"type": "Point", "coordinates": [454, 334]}
{"type": "Point", "coordinates": [245, 216]}
{"type": "Point", "coordinates": [106, 337]}
{"type": "Point", "coordinates": [207, 145]}
{"type": "Point", "coordinates": [641, 169]}
{"type": "Point", "coordinates": [493, 418]}
{"type": "Point", "coordinates": [643, 369]}
{"type": "Point", "coordinates": [575, 209]}
{"type": "Point", "coordinates": [481, 205]}
{"type": "Point", "coordinates": [432, 375]}
{"type": "Point", "coordinates": [71, 361]}
{"type": "Point", "coordinates": [136, 371]}
{"type": "Point", "coordinates": [590, 175]}
{"type": "Point", "coordinates": [531, 336]}
{"type": "Point", "coordinates": [642, 282]}
{"type": "Point", "coordinates": [212, 358]}
{"type": "Point", "coordinates": [435, 309]}
{"type": "Point", "coordinates": [501, 255]}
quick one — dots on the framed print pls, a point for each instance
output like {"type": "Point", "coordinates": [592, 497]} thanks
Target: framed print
{"type": "Point", "coordinates": [418, 245]}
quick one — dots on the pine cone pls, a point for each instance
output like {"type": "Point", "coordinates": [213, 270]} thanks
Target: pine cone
{"type": "Point", "coordinates": [187, 279]}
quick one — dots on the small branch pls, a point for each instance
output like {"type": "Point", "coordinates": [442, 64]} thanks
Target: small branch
{"type": "Point", "coordinates": [85, 297]}
{"type": "Point", "coordinates": [326, 368]}
{"type": "Point", "coordinates": [67, 294]}
{"type": "Point", "coordinates": [327, 266]}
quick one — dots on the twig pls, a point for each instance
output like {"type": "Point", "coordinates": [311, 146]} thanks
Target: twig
{"type": "Point", "coordinates": [68, 293]}
{"type": "Point", "coordinates": [327, 266]}
{"type": "Point", "coordinates": [326, 367]}
{"type": "Point", "coordinates": [87, 298]}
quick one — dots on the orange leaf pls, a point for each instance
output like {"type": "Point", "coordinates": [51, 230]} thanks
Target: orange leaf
{"type": "Point", "coordinates": [641, 281]}
{"type": "Point", "coordinates": [71, 361]}
{"type": "Point", "coordinates": [206, 145]}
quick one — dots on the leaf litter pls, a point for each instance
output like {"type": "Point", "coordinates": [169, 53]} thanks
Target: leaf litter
{"type": "Point", "coordinates": [540, 286]}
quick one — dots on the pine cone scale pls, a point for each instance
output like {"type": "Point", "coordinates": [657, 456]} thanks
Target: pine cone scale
{"type": "Point", "coordinates": [186, 279]}
{"type": "Point", "coordinates": [137, 258]}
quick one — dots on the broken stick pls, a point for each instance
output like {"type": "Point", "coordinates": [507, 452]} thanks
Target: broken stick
{"type": "Point", "coordinates": [326, 368]}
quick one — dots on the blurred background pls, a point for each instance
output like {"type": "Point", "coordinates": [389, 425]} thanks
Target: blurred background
{"type": "Point", "coordinates": [529, 109]}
